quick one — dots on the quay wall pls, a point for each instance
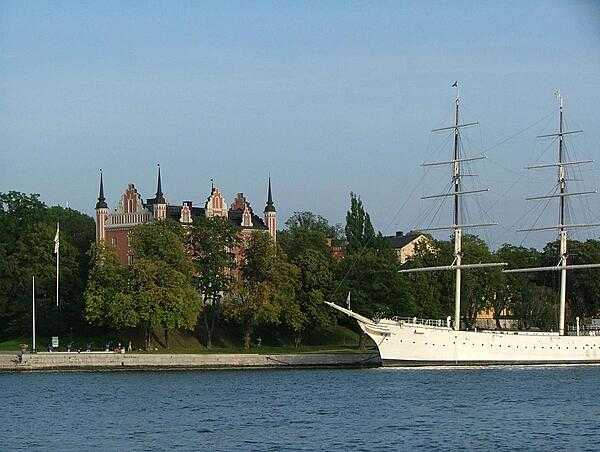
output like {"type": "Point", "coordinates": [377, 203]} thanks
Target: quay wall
{"type": "Point", "coordinates": [137, 361]}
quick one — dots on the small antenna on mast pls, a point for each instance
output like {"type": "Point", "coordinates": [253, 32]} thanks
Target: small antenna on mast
{"type": "Point", "coordinates": [559, 97]}
{"type": "Point", "coordinates": [455, 85]}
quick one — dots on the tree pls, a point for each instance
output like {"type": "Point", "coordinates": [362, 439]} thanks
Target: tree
{"type": "Point", "coordinates": [359, 230]}
{"type": "Point", "coordinates": [514, 289]}
{"type": "Point", "coordinates": [27, 228]}
{"type": "Point", "coordinates": [162, 297]}
{"type": "Point", "coordinates": [160, 283]}
{"type": "Point", "coordinates": [107, 301]}
{"type": "Point", "coordinates": [305, 242]}
{"type": "Point", "coordinates": [583, 285]}
{"type": "Point", "coordinates": [433, 292]}
{"type": "Point", "coordinates": [479, 285]}
{"type": "Point", "coordinates": [265, 291]}
{"type": "Point", "coordinates": [308, 221]}
{"type": "Point", "coordinates": [211, 242]}
{"type": "Point", "coordinates": [375, 286]}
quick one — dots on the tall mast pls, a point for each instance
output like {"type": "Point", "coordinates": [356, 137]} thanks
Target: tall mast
{"type": "Point", "coordinates": [457, 221]}
{"type": "Point", "coordinates": [456, 192]}
{"type": "Point", "coordinates": [562, 226]}
{"type": "Point", "coordinates": [562, 231]}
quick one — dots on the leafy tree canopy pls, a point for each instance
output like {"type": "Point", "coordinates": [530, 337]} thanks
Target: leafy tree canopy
{"type": "Point", "coordinates": [27, 229]}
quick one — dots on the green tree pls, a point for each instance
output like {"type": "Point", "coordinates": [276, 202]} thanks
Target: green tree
{"type": "Point", "coordinates": [162, 297]}
{"type": "Point", "coordinates": [160, 280]}
{"type": "Point", "coordinates": [583, 285]}
{"type": "Point", "coordinates": [306, 243]}
{"type": "Point", "coordinates": [432, 293]}
{"type": "Point", "coordinates": [107, 299]}
{"type": "Point", "coordinates": [27, 228]}
{"type": "Point", "coordinates": [308, 221]}
{"type": "Point", "coordinates": [359, 230]}
{"type": "Point", "coordinates": [478, 285]}
{"type": "Point", "coordinates": [265, 291]}
{"type": "Point", "coordinates": [211, 242]}
{"type": "Point", "coordinates": [375, 286]}
{"type": "Point", "coordinates": [514, 289]}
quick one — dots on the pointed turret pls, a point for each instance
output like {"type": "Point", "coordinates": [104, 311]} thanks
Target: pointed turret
{"type": "Point", "coordinates": [159, 203]}
{"type": "Point", "coordinates": [270, 207]}
{"type": "Point", "coordinates": [159, 198]}
{"type": "Point", "coordinates": [101, 212]}
{"type": "Point", "coordinates": [101, 204]}
{"type": "Point", "coordinates": [271, 214]}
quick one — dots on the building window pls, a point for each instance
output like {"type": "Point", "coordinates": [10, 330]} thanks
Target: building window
{"type": "Point", "coordinates": [113, 241]}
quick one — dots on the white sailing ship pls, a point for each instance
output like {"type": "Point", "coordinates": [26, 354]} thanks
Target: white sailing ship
{"type": "Point", "coordinates": [425, 342]}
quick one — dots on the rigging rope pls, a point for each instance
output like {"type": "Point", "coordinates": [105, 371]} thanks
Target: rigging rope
{"type": "Point", "coordinates": [425, 173]}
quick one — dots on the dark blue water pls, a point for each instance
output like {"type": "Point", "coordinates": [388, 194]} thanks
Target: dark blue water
{"type": "Point", "coordinates": [550, 408]}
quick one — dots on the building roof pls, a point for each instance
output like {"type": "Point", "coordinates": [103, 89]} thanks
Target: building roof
{"type": "Point", "coordinates": [174, 212]}
{"type": "Point", "coordinates": [235, 216]}
{"type": "Point", "coordinates": [400, 240]}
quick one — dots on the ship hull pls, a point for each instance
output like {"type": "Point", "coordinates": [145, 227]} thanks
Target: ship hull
{"type": "Point", "coordinates": [412, 344]}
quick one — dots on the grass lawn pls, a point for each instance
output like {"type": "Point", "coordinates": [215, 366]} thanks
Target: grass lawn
{"type": "Point", "coordinates": [342, 340]}
{"type": "Point", "coordinates": [13, 345]}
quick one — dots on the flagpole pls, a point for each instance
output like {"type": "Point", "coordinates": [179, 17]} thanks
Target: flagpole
{"type": "Point", "coordinates": [33, 309]}
{"type": "Point", "coordinates": [57, 259]}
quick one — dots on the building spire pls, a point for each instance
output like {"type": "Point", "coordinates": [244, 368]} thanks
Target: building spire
{"type": "Point", "coordinates": [159, 198]}
{"type": "Point", "coordinates": [270, 207]}
{"type": "Point", "coordinates": [101, 204]}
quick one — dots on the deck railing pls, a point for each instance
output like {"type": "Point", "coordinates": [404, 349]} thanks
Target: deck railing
{"type": "Point", "coordinates": [583, 330]}
{"type": "Point", "coordinates": [416, 320]}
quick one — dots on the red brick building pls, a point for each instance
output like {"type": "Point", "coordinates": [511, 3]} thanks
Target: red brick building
{"type": "Point", "coordinates": [114, 226]}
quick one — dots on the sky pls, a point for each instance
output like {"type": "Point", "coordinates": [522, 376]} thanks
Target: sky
{"type": "Point", "coordinates": [326, 97]}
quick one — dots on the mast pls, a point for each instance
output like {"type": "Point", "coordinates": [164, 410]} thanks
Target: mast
{"type": "Point", "coordinates": [562, 226]}
{"type": "Point", "coordinates": [457, 221]}
{"type": "Point", "coordinates": [562, 231]}
{"type": "Point", "coordinates": [457, 226]}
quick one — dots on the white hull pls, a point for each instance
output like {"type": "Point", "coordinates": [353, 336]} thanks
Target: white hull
{"type": "Point", "coordinates": [406, 343]}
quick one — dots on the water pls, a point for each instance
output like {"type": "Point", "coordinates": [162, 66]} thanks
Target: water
{"type": "Point", "coordinates": [549, 408]}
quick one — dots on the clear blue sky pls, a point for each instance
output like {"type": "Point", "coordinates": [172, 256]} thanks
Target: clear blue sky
{"type": "Point", "coordinates": [326, 96]}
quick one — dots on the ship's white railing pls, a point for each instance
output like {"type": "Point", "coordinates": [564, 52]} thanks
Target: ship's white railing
{"type": "Point", "coordinates": [417, 321]}
{"type": "Point", "coordinates": [583, 330]}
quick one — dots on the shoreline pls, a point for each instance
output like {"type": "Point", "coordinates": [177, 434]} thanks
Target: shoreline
{"type": "Point", "coordinates": [108, 361]}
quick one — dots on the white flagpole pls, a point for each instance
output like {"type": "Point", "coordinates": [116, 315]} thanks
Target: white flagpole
{"type": "Point", "coordinates": [57, 265]}
{"type": "Point", "coordinates": [57, 258]}
{"type": "Point", "coordinates": [33, 309]}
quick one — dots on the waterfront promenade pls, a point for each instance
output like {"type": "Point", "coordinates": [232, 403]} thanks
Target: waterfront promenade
{"type": "Point", "coordinates": [139, 361]}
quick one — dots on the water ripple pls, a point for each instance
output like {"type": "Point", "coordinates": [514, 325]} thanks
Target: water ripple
{"type": "Point", "coordinates": [548, 408]}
